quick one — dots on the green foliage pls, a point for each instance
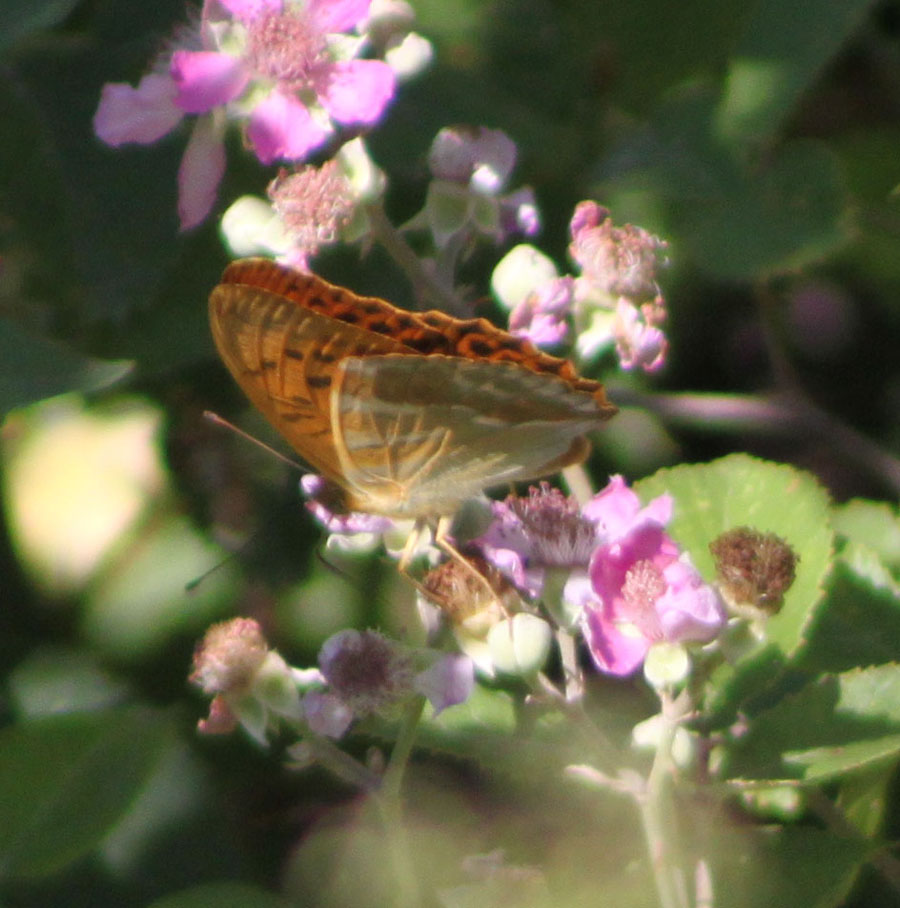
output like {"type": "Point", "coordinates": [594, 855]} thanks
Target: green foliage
{"type": "Point", "coordinates": [771, 498]}
{"type": "Point", "coordinates": [35, 368]}
{"type": "Point", "coordinates": [760, 140]}
{"type": "Point", "coordinates": [221, 895]}
{"type": "Point", "coordinates": [67, 780]}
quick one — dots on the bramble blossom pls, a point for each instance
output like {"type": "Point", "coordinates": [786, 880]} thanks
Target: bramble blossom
{"type": "Point", "coordinates": [351, 531]}
{"type": "Point", "coordinates": [529, 535]}
{"type": "Point", "coordinates": [625, 576]}
{"type": "Point", "coordinates": [644, 590]}
{"type": "Point", "coordinates": [471, 167]}
{"type": "Point", "coordinates": [615, 298]}
{"type": "Point", "coordinates": [308, 208]}
{"type": "Point", "coordinates": [366, 672]}
{"type": "Point", "coordinates": [285, 70]}
{"type": "Point", "coordinates": [251, 685]}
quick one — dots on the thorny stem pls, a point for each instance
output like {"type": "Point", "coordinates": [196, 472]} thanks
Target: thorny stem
{"type": "Point", "coordinates": [786, 413]}
{"type": "Point", "coordinates": [424, 284]}
{"type": "Point", "coordinates": [659, 815]}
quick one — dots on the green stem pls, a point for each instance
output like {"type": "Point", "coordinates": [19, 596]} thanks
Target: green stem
{"type": "Point", "coordinates": [788, 414]}
{"type": "Point", "coordinates": [391, 808]}
{"type": "Point", "coordinates": [659, 817]}
{"type": "Point", "coordinates": [341, 763]}
{"type": "Point", "coordinates": [393, 775]}
{"type": "Point", "coordinates": [424, 284]}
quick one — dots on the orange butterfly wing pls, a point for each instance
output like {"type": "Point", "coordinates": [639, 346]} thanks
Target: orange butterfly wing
{"type": "Point", "coordinates": [409, 412]}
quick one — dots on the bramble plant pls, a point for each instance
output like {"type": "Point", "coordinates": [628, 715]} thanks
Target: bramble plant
{"type": "Point", "coordinates": [676, 690]}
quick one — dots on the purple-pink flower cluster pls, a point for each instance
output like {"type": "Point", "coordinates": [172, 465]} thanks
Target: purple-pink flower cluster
{"type": "Point", "coordinates": [288, 72]}
{"type": "Point", "coordinates": [631, 584]}
{"type": "Point", "coordinates": [614, 299]}
{"type": "Point", "coordinates": [634, 585]}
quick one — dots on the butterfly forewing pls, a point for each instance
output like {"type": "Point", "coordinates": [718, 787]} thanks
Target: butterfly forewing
{"type": "Point", "coordinates": [283, 356]}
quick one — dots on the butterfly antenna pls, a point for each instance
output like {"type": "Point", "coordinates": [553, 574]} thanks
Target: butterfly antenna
{"type": "Point", "coordinates": [225, 424]}
{"type": "Point", "coordinates": [191, 585]}
{"type": "Point", "coordinates": [331, 566]}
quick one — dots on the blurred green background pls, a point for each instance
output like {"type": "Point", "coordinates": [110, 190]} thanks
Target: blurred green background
{"type": "Point", "coordinates": [761, 139]}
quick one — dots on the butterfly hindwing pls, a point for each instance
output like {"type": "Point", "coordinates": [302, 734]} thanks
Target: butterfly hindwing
{"type": "Point", "coordinates": [428, 430]}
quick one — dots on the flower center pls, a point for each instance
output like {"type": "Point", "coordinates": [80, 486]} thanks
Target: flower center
{"type": "Point", "coordinates": [644, 584]}
{"type": "Point", "coordinates": [559, 535]}
{"type": "Point", "coordinates": [284, 47]}
{"type": "Point", "coordinates": [314, 203]}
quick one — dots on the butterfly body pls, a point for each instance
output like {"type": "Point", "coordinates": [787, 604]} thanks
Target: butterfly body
{"type": "Point", "coordinates": [410, 413]}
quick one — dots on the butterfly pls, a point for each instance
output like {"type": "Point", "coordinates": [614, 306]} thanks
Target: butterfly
{"type": "Point", "coordinates": [409, 413]}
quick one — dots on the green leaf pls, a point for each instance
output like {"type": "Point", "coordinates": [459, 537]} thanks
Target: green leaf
{"type": "Point", "coordinates": [858, 624]}
{"type": "Point", "coordinates": [863, 797]}
{"type": "Point", "coordinates": [874, 524]}
{"type": "Point", "coordinates": [788, 866]}
{"type": "Point", "coordinates": [832, 726]}
{"type": "Point", "coordinates": [780, 215]}
{"type": "Point", "coordinates": [53, 680]}
{"type": "Point", "coordinates": [781, 55]}
{"type": "Point", "coordinates": [35, 368]}
{"type": "Point", "coordinates": [221, 895]}
{"type": "Point", "coordinates": [737, 215]}
{"type": "Point", "coordinates": [143, 603]}
{"type": "Point", "coordinates": [820, 764]}
{"type": "Point", "coordinates": [868, 566]}
{"type": "Point", "coordinates": [739, 490]}
{"type": "Point", "coordinates": [66, 781]}
{"type": "Point", "coordinates": [19, 18]}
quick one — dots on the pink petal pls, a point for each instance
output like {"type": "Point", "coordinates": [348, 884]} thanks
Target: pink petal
{"type": "Point", "coordinates": [613, 652]}
{"type": "Point", "coordinates": [200, 173]}
{"type": "Point", "coordinates": [448, 682]}
{"type": "Point", "coordinates": [689, 610]}
{"type": "Point", "coordinates": [143, 114]}
{"type": "Point", "coordinates": [327, 714]}
{"type": "Point", "coordinates": [614, 508]}
{"type": "Point", "coordinates": [282, 128]}
{"type": "Point", "coordinates": [332, 16]}
{"type": "Point", "coordinates": [206, 79]}
{"type": "Point", "coordinates": [355, 91]}
{"type": "Point", "coordinates": [617, 510]}
{"type": "Point", "coordinates": [586, 216]}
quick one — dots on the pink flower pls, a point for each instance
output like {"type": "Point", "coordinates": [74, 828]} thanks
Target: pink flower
{"type": "Point", "coordinates": [471, 166]}
{"type": "Point", "coordinates": [619, 261]}
{"type": "Point", "coordinates": [273, 67]}
{"type": "Point", "coordinates": [325, 504]}
{"type": "Point", "coordinates": [617, 510]}
{"type": "Point", "coordinates": [644, 590]}
{"type": "Point", "coordinates": [542, 315]}
{"type": "Point", "coordinates": [369, 673]}
{"type": "Point", "coordinates": [638, 341]}
{"type": "Point", "coordinates": [530, 534]}
{"type": "Point", "coordinates": [313, 203]}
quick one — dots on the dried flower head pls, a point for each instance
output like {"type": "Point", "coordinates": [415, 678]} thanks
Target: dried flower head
{"type": "Point", "coordinates": [462, 592]}
{"type": "Point", "coordinates": [754, 569]}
